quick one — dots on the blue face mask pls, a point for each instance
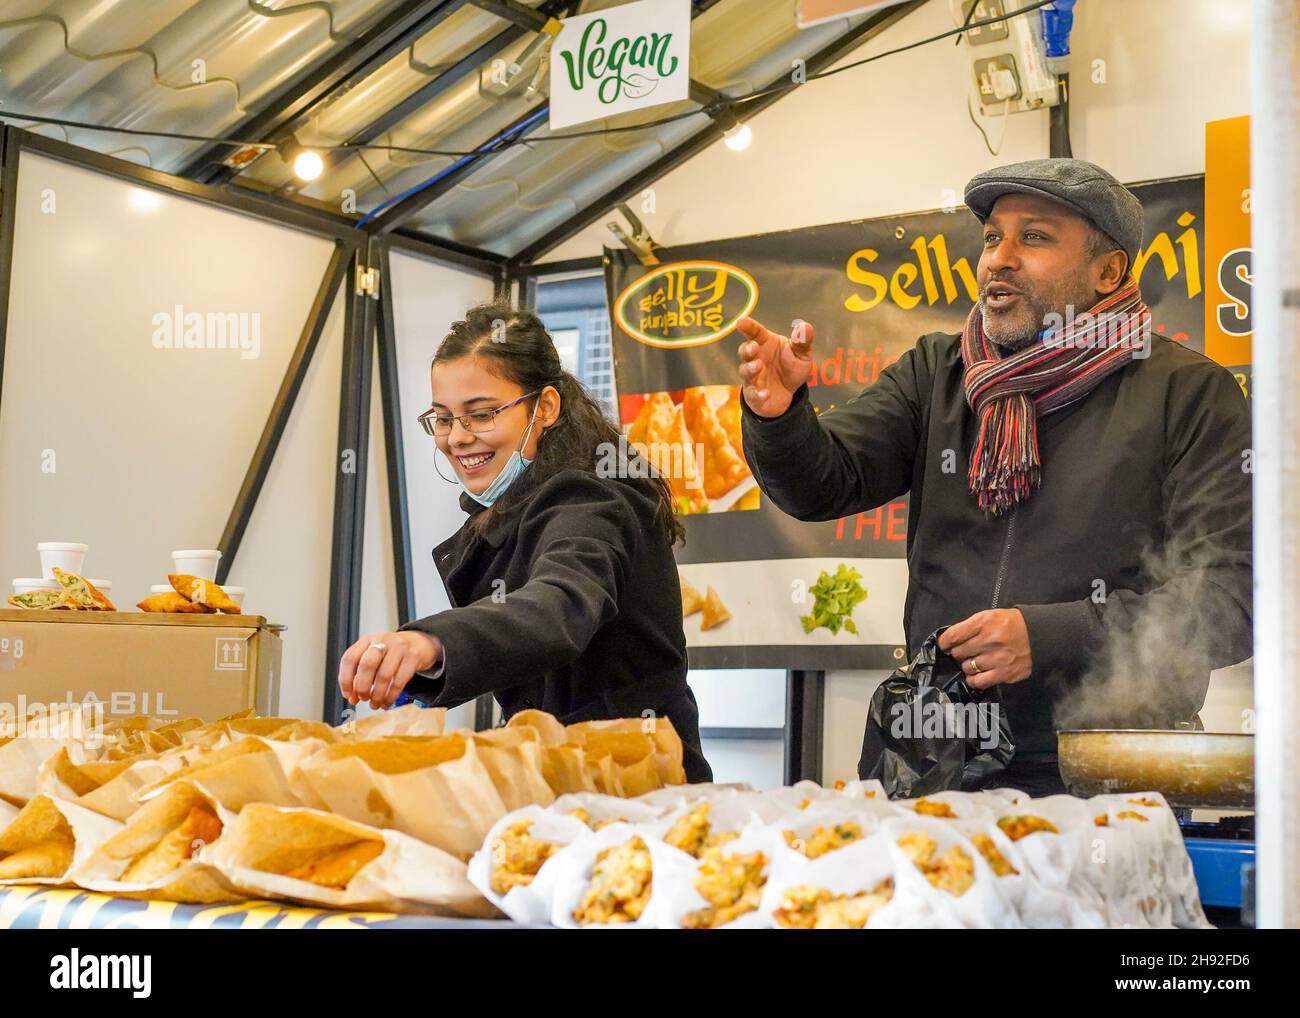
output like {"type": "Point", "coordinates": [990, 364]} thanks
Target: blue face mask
{"type": "Point", "coordinates": [515, 466]}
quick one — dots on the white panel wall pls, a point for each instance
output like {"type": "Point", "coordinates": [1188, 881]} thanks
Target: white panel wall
{"type": "Point", "coordinates": [427, 298]}
{"type": "Point", "coordinates": [135, 450]}
{"type": "Point", "coordinates": [893, 137]}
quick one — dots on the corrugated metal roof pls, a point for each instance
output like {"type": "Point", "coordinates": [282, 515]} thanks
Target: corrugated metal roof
{"type": "Point", "coordinates": [131, 63]}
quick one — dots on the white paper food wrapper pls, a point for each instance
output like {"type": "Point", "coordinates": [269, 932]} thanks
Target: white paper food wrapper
{"type": "Point", "coordinates": [606, 807]}
{"type": "Point", "coordinates": [984, 905]}
{"type": "Point", "coordinates": [1144, 864]}
{"type": "Point", "coordinates": [672, 796]}
{"type": "Point", "coordinates": [89, 830]}
{"type": "Point", "coordinates": [856, 867]}
{"type": "Point", "coordinates": [682, 898]}
{"type": "Point", "coordinates": [531, 903]}
{"type": "Point", "coordinates": [670, 868]}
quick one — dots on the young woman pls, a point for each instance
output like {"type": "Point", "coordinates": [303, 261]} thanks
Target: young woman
{"type": "Point", "coordinates": [564, 589]}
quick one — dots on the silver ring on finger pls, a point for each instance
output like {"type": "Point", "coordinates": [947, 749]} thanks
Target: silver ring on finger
{"type": "Point", "coordinates": [381, 647]}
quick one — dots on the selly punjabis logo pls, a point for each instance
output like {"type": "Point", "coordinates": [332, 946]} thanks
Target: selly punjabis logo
{"type": "Point", "coordinates": [685, 304]}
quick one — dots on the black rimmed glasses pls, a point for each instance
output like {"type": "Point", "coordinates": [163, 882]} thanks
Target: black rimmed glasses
{"type": "Point", "coordinates": [476, 422]}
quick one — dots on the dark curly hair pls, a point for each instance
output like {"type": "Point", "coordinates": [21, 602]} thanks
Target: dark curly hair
{"type": "Point", "coordinates": [516, 346]}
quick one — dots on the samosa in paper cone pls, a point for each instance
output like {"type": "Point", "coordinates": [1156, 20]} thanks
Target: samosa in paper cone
{"type": "Point", "coordinates": [49, 839]}
{"type": "Point", "coordinates": [320, 858]}
{"type": "Point", "coordinates": [158, 853]}
{"type": "Point", "coordinates": [513, 757]}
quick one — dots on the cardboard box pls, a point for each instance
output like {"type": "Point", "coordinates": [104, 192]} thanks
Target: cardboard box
{"type": "Point", "coordinates": [167, 666]}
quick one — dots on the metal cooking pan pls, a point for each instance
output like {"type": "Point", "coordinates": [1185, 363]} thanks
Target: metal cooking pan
{"type": "Point", "coordinates": [1190, 768]}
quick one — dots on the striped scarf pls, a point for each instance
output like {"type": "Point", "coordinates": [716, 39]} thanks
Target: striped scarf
{"type": "Point", "coordinates": [1010, 392]}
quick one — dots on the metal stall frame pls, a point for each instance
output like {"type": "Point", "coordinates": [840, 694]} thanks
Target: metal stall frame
{"type": "Point", "coordinates": [368, 310]}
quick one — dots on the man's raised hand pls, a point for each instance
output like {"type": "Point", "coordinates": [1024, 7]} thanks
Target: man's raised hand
{"type": "Point", "coordinates": [772, 367]}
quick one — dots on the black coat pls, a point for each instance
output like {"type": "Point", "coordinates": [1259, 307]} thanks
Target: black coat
{"type": "Point", "coordinates": [1144, 511]}
{"type": "Point", "coordinates": [569, 602]}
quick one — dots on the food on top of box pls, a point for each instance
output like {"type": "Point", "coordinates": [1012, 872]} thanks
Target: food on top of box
{"type": "Point", "coordinates": [42, 599]}
{"type": "Point", "coordinates": [1016, 828]}
{"type": "Point", "coordinates": [732, 884]}
{"type": "Point", "coordinates": [620, 886]}
{"type": "Point", "coordinates": [517, 857]}
{"type": "Point", "coordinates": [804, 907]}
{"type": "Point", "coordinates": [825, 839]}
{"type": "Point", "coordinates": [75, 592]}
{"type": "Point", "coordinates": [200, 827]}
{"type": "Point", "coordinates": [337, 867]}
{"type": "Point", "coordinates": [954, 871]}
{"type": "Point", "coordinates": [201, 591]}
{"type": "Point", "coordinates": [715, 612]}
{"type": "Point", "coordinates": [82, 591]}
{"type": "Point", "coordinates": [173, 602]}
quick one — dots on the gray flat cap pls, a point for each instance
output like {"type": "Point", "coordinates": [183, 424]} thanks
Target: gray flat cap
{"type": "Point", "coordinates": [1084, 187]}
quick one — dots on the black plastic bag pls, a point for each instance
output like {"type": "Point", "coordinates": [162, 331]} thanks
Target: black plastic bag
{"type": "Point", "coordinates": [928, 731]}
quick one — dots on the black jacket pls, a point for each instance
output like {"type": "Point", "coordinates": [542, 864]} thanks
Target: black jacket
{"type": "Point", "coordinates": [1144, 512]}
{"type": "Point", "coordinates": [570, 603]}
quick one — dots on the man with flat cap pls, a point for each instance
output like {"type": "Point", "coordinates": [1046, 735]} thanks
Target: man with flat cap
{"type": "Point", "coordinates": [1101, 492]}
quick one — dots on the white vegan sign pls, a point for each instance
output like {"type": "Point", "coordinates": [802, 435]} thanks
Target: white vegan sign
{"type": "Point", "coordinates": [619, 59]}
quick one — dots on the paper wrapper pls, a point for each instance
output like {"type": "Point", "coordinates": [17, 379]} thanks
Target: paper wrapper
{"type": "Point", "coordinates": [669, 868]}
{"type": "Point", "coordinates": [408, 876]}
{"type": "Point", "coordinates": [646, 752]}
{"type": "Point", "coordinates": [252, 769]}
{"type": "Point", "coordinates": [533, 902]}
{"type": "Point", "coordinates": [513, 757]}
{"type": "Point", "coordinates": [1143, 866]}
{"type": "Point", "coordinates": [21, 759]}
{"type": "Point", "coordinates": [192, 881]}
{"type": "Point", "coordinates": [435, 788]}
{"type": "Point", "coordinates": [853, 869]}
{"type": "Point", "coordinates": [409, 719]}
{"type": "Point", "coordinates": [39, 821]}
{"type": "Point", "coordinates": [682, 898]}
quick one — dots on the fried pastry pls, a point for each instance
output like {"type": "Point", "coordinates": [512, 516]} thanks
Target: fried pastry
{"type": "Point", "coordinates": [46, 859]}
{"type": "Point", "coordinates": [715, 612]}
{"type": "Point", "coordinates": [811, 908]}
{"type": "Point", "coordinates": [42, 599]}
{"type": "Point", "coordinates": [82, 592]}
{"type": "Point", "coordinates": [1018, 827]}
{"type": "Point", "coordinates": [992, 856]}
{"type": "Point", "coordinates": [731, 884]}
{"type": "Point", "coordinates": [200, 827]}
{"type": "Point", "coordinates": [517, 856]}
{"type": "Point", "coordinates": [201, 591]}
{"type": "Point", "coordinates": [620, 887]}
{"type": "Point", "coordinates": [692, 599]}
{"type": "Point", "coordinates": [930, 808]}
{"type": "Point", "coordinates": [954, 871]}
{"type": "Point", "coordinates": [723, 466]}
{"type": "Point", "coordinates": [336, 869]}
{"type": "Point", "coordinates": [824, 839]}
{"type": "Point", "coordinates": [170, 601]}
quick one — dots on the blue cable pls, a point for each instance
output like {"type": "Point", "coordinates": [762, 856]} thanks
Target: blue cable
{"type": "Point", "coordinates": [529, 122]}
